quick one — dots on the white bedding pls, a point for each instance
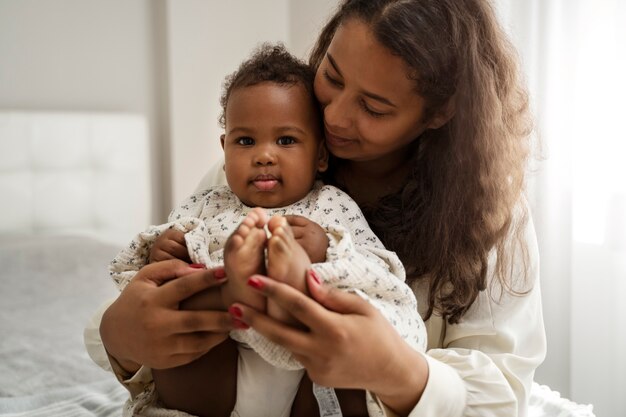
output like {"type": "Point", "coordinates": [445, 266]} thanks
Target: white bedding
{"type": "Point", "coordinates": [64, 176]}
{"type": "Point", "coordinates": [50, 288]}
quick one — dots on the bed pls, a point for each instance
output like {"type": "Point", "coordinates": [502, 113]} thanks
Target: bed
{"type": "Point", "coordinates": [74, 187]}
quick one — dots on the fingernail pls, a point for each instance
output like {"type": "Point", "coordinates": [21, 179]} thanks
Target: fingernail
{"type": "Point", "coordinates": [197, 266]}
{"type": "Point", "coordinates": [255, 282]}
{"type": "Point", "coordinates": [313, 275]}
{"type": "Point", "coordinates": [240, 324]}
{"type": "Point", "coordinates": [235, 311]}
{"type": "Point", "coordinates": [219, 273]}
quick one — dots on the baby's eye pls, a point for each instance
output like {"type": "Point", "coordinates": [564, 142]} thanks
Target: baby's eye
{"type": "Point", "coordinates": [245, 141]}
{"type": "Point", "coordinates": [286, 140]}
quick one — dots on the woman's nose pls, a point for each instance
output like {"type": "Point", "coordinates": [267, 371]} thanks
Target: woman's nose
{"type": "Point", "coordinates": [337, 113]}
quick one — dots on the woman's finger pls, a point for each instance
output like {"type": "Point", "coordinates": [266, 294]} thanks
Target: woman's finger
{"type": "Point", "coordinates": [197, 343]}
{"type": "Point", "coordinates": [304, 309]}
{"type": "Point", "coordinates": [179, 359]}
{"type": "Point", "coordinates": [188, 321]}
{"type": "Point", "coordinates": [161, 272]}
{"type": "Point", "coordinates": [193, 281]}
{"type": "Point", "coordinates": [336, 300]}
{"type": "Point", "coordinates": [295, 340]}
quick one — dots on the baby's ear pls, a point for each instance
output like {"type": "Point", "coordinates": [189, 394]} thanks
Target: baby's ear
{"type": "Point", "coordinates": [322, 157]}
{"type": "Point", "coordinates": [222, 137]}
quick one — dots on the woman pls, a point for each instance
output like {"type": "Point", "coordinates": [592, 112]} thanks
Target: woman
{"type": "Point", "coordinates": [429, 126]}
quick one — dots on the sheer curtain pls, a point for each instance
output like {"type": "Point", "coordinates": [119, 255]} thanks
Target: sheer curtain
{"type": "Point", "coordinates": [574, 56]}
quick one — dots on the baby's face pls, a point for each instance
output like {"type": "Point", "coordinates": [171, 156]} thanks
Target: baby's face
{"type": "Point", "coordinates": [272, 145]}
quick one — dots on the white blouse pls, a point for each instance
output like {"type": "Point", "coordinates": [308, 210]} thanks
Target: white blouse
{"type": "Point", "coordinates": [484, 365]}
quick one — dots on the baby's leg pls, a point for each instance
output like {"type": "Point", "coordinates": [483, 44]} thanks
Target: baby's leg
{"type": "Point", "coordinates": [205, 387]}
{"type": "Point", "coordinates": [351, 401]}
{"type": "Point", "coordinates": [244, 256]}
{"type": "Point", "coordinates": [287, 262]}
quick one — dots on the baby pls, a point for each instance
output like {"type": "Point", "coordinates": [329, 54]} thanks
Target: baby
{"type": "Point", "coordinates": [274, 149]}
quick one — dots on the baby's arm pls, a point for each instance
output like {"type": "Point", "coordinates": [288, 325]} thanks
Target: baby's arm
{"type": "Point", "coordinates": [170, 244]}
{"type": "Point", "coordinates": [310, 235]}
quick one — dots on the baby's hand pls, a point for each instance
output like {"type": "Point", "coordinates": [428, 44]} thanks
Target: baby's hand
{"type": "Point", "coordinates": [310, 236]}
{"type": "Point", "coordinates": [170, 245]}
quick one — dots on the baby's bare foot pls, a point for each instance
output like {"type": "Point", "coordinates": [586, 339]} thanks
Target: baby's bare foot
{"type": "Point", "coordinates": [287, 262]}
{"type": "Point", "coordinates": [244, 256]}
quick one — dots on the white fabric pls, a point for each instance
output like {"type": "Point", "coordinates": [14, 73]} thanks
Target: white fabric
{"type": "Point", "coordinates": [268, 391]}
{"type": "Point", "coordinates": [67, 173]}
{"type": "Point", "coordinates": [545, 402]}
{"type": "Point", "coordinates": [49, 287]}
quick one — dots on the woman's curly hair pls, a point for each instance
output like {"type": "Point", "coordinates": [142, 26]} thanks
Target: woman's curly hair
{"type": "Point", "coordinates": [462, 198]}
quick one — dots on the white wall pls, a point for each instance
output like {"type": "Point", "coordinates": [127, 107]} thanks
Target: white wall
{"type": "Point", "coordinates": [165, 59]}
{"type": "Point", "coordinates": [91, 55]}
{"type": "Point", "coordinates": [306, 19]}
{"type": "Point", "coordinates": [207, 41]}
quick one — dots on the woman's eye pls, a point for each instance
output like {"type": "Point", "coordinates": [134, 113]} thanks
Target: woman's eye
{"type": "Point", "coordinates": [245, 141]}
{"type": "Point", "coordinates": [371, 112]}
{"type": "Point", "coordinates": [331, 80]}
{"type": "Point", "coordinates": [286, 140]}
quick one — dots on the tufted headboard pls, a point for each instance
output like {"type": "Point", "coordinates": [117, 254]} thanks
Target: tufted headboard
{"type": "Point", "coordinates": [74, 173]}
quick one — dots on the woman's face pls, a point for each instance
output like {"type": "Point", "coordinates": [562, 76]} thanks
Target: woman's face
{"type": "Point", "coordinates": [371, 109]}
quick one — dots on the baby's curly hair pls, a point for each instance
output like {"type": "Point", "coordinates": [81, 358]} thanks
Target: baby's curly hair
{"type": "Point", "coordinates": [269, 63]}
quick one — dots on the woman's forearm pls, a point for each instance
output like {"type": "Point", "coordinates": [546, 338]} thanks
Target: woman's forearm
{"type": "Point", "coordinates": [404, 382]}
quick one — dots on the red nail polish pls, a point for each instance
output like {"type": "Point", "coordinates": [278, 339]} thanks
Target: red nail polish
{"type": "Point", "coordinates": [235, 311]}
{"type": "Point", "coordinates": [219, 273]}
{"type": "Point", "coordinates": [313, 275]}
{"type": "Point", "coordinates": [254, 282]}
{"type": "Point", "coordinates": [240, 324]}
{"type": "Point", "coordinates": [197, 266]}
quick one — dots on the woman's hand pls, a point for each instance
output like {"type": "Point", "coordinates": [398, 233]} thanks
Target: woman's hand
{"type": "Point", "coordinates": [310, 236]}
{"type": "Point", "coordinates": [349, 344]}
{"type": "Point", "coordinates": [169, 245]}
{"type": "Point", "coordinates": [144, 326]}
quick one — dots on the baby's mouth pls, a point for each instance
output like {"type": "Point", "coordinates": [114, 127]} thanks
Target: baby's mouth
{"type": "Point", "coordinates": [265, 182]}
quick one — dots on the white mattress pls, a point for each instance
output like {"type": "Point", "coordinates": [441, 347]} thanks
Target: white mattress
{"type": "Point", "coordinates": [51, 285]}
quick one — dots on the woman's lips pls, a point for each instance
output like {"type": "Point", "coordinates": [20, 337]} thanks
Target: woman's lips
{"type": "Point", "coordinates": [334, 140]}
